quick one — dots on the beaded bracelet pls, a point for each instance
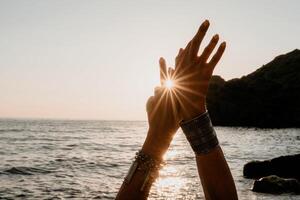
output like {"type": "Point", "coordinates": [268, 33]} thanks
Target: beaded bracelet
{"type": "Point", "coordinates": [200, 133]}
{"type": "Point", "coordinates": [146, 164]}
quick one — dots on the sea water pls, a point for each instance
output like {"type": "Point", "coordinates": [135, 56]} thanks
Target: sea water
{"type": "Point", "coordinates": [69, 159]}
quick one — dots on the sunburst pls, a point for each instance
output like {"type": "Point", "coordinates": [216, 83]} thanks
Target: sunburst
{"type": "Point", "coordinates": [176, 91]}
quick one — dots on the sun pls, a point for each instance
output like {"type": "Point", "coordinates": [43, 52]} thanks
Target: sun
{"type": "Point", "coordinates": [169, 84]}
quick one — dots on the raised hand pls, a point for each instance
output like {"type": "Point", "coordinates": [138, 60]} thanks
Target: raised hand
{"type": "Point", "coordinates": [192, 73]}
{"type": "Point", "coordinates": [163, 118]}
{"type": "Point", "coordinates": [168, 106]}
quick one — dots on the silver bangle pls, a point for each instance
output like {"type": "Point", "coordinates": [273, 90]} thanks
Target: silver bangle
{"type": "Point", "coordinates": [200, 133]}
{"type": "Point", "coordinates": [146, 164]}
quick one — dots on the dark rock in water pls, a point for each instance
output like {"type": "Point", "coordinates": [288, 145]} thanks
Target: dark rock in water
{"type": "Point", "coordinates": [18, 170]}
{"type": "Point", "coordinates": [26, 171]}
{"type": "Point", "coordinates": [257, 169]}
{"type": "Point", "coordinates": [284, 166]}
{"type": "Point", "coordinates": [276, 185]}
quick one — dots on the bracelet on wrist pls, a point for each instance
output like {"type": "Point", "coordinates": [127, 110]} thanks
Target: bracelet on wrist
{"type": "Point", "coordinates": [200, 134]}
{"type": "Point", "coordinates": [145, 164]}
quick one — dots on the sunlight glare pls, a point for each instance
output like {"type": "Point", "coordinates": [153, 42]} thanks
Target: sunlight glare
{"type": "Point", "coordinates": [169, 84]}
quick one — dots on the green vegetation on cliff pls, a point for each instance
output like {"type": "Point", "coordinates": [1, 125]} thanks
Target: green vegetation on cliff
{"type": "Point", "coordinates": [268, 97]}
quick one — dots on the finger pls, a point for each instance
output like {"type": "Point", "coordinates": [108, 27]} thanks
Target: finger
{"type": "Point", "coordinates": [180, 52]}
{"type": "Point", "coordinates": [149, 104]}
{"type": "Point", "coordinates": [209, 49]}
{"type": "Point", "coordinates": [196, 41]}
{"type": "Point", "coordinates": [179, 56]}
{"type": "Point", "coordinates": [171, 72]}
{"type": "Point", "coordinates": [163, 70]}
{"type": "Point", "coordinates": [215, 59]}
{"type": "Point", "coordinates": [159, 95]}
{"type": "Point", "coordinates": [158, 91]}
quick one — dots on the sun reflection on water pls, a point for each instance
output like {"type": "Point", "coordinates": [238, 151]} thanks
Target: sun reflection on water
{"type": "Point", "coordinates": [171, 155]}
{"type": "Point", "coordinates": [170, 181]}
{"type": "Point", "coordinates": [173, 184]}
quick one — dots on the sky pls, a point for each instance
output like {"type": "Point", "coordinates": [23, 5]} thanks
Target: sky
{"type": "Point", "coordinates": [98, 59]}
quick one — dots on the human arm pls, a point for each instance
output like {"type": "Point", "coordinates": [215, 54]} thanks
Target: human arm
{"type": "Point", "coordinates": [215, 175]}
{"type": "Point", "coordinates": [163, 124]}
{"type": "Point", "coordinates": [192, 75]}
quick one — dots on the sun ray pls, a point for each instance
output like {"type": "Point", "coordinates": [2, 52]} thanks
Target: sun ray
{"type": "Point", "coordinates": [180, 101]}
{"type": "Point", "coordinates": [158, 103]}
{"type": "Point", "coordinates": [175, 89]}
{"type": "Point", "coordinates": [186, 89]}
{"type": "Point", "coordinates": [180, 98]}
{"type": "Point", "coordinates": [173, 102]}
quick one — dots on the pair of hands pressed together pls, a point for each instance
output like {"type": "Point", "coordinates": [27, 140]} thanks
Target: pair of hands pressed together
{"type": "Point", "coordinates": [186, 100]}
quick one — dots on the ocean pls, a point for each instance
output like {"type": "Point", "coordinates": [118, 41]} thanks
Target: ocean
{"type": "Point", "coordinates": [73, 159]}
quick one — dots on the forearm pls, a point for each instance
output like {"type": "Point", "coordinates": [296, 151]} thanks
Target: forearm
{"type": "Point", "coordinates": [133, 190]}
{"type": "Point", "coordinates": [140, 185]}
{"type": "Point", "coordinates": [213, 170]}
{"type": "Point", "coordinates": [215, 175]}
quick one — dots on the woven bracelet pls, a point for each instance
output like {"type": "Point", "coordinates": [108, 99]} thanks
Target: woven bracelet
{"type": "Point", "coordinates": [200, 133]}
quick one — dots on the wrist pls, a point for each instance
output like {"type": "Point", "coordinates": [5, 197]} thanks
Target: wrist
{"type": "Point", "coordinates": [193, 112]}
{"type": "Point", "coordinates": [155, 146]}
{"type": "Point", "coordinates": [200, 134]}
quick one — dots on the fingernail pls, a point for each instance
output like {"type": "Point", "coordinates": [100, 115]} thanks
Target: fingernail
{"type": "Point", "coordinates": [216, 37]}
{"type": "Point", "coordinates": [223, 44]}
{"type": "Point", "coordinates": [206, 23]}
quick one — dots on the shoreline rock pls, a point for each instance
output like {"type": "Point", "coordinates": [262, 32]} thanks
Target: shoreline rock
{"type": "Point", "coordinates": [283, 166]}
{"type": "Point", "coordinates": [266, 98]}
{"type": "Point", "coordinates": [276, 176]}
{"type": "Point", "coordinates": [276, 185]}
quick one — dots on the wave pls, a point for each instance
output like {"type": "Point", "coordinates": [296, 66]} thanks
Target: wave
{"type": "Point", "coordinates": [12, 130]}
{"type": "Point", "coordinates": [26, 171]}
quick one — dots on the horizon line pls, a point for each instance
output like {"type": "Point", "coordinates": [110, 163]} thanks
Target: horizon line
{"type": "Point", "coordinates": [69, 119]}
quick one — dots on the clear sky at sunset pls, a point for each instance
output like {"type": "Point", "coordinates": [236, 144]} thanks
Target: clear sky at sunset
{"type": "Point", "coordinates": [98, 59]}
